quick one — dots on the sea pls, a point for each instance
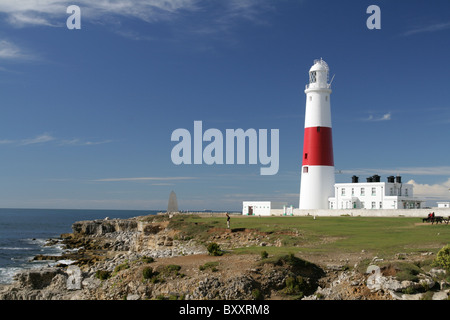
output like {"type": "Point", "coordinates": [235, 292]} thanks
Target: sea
{"type": "Point", "coordinates": [24, 233]}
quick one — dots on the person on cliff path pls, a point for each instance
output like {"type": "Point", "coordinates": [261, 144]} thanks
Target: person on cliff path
{"type": "Point", "coordinates": [228, 221]}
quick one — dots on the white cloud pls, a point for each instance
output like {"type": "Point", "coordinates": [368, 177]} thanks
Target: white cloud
{"type": "Point", "coordinates": [425, 171]}
{"type": "Point", "coordinates": [221, 14]}
{"type": "Point", "coordinates": [384, 117]}
{"type": "Point", "coordinates": [49, 12]}
{"type": "Point", "coordinates": [39, 139]}
{"type": "Point", "coordinates": [143, 179]}
{"type": "Point", "coordinates": [430, 28]}
{"type": "Point", "coordinates": [6, 141]}
{"type": "Point", "coordinates": [46, 137]}
{"type": "Point", "coordinates": [434, 191]}
{"type": "Point", "coordinates": [11, 51]}
{"type": "Point", "coordinates": [79, 142]}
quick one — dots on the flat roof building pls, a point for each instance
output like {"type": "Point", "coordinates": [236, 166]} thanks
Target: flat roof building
{"type": "Point", "coordinates": [265, 208]}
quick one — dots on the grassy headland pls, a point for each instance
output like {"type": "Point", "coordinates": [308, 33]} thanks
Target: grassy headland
{"type": "Point", "coordinates": [380, 236]}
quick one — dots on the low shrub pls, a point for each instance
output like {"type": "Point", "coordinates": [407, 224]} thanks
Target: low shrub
{"type": "Point", "coordinates": [102, 274]}
{"type": "Point", "coordinates": [209, 265]}
{"type": "Point", "coordinates": [146, 259]}
{"type": "Point", "coordinates": [121, 267]}
{"type": "Point", "coordinates": [264, 254]}
{"type": "Point", "coordinates": [443, 258]}
{"type": "Point", "coordinates": [257, 295]}
{"type": "Point", "coordinates": [296, 286]}
{"type": "Point", "coordinates": [214, 249]}
{"type": "Point", "coordinates": [148, 273]}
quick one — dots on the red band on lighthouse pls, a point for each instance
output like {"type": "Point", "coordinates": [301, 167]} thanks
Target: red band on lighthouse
{"type": "Point", "coordinates": [318, 147]}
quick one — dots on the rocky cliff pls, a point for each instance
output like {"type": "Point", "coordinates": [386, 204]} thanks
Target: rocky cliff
{"type": "Point", "coordinates": [149, 258]}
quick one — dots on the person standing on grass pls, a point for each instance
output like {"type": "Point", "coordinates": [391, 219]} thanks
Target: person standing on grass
{"type": "Point", "coordinates": [228, 221]}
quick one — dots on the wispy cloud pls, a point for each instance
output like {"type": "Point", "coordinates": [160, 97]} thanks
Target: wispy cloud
{"type": "Point", "coordinates": [11, 51]}
{"type": "Point", "coordinates": [79, 142]}
{"type": "Point", "coordinates": [425, 171]}
{"type": "Point", "coordinates": [46, 138]}
{"type": "Point", "coordinates": [49, 12]}
{"type": "Point", "coordinates": [429, 28]}
{"type": "Point", "coordinates": [6, 141]}
{"type": "Point", "coordinates": [143, 179]}
{"type": "Point", "coordinates": [43, 138]}
{"type": "Point", "coordinates": [221, 15]}
{"type": "Point", "coordinates": [384, 117]}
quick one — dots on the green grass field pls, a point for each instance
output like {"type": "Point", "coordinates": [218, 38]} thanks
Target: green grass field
{"type": "Point", "coordinates": [379, 236]}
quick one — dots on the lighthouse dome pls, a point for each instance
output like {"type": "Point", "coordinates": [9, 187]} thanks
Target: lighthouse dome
{"type": "Point", "coordinates": [319, 65]}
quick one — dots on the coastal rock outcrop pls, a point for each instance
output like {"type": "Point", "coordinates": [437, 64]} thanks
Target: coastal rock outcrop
{"type": "Point", "coordinates": [149, 258]}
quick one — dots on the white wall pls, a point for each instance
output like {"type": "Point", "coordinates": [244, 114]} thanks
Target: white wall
{"type": "Point", "coordinates": [259, 207]}
{"type": "Point", "coordinates": [420, 213]}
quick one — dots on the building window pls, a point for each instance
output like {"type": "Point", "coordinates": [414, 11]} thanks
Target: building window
{"type": "Point", "coordinates": [343, 192]}
{"type": "Point", "coordinates": [391, 191]}
{"type": "Point", "coordinates": [363, 192]}
{"type": "Point", "coordinates": [363, 205]}
{"type": "Point", "coordinates": [374, 191]}
{"type": "Point", "coordinates": [406, 192]}
{"type": "Point", "coordinates": [353, 191]}
{"type": "Point", "coordinates": [381, 205]}
{"type": "Point", "coordinates": [373, 205]}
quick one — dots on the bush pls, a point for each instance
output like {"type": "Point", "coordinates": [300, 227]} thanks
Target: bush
{"type": "Point", "coordinates": [214, 249]}
{"type": "Point", "coordinates": [147, 259]}
{"type": "Point", "coordinates": [148, 273]}
{"type": "Point", "coordinates": [102, 274]}
{"type": "Point", "coordinates": [121, 267]}
{"type": "Point", "coordinates": [296, 286]}
{"type": "Point", "coordinates": [264, 254]}
{"type": "Point", "coordinates": [443, 258]}
{"type": "Point", "coordinates": [209, 265]}
{"type": "Point", "coordinates": [257, 295]}
{"type": "Point", "coordinates": [173, 267]}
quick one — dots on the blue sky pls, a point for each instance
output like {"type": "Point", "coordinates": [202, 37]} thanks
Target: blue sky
{"type": "Point", "coordinates": [87, 115]}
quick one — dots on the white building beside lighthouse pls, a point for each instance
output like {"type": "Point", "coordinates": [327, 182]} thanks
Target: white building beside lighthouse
{"type": "Point", "coordinates": [317, 175]}
{"type": "Point", "coordinates": [375, 194]}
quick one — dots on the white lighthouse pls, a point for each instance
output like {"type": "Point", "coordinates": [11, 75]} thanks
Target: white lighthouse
{"type": "Point", "coordinates": [317, 178]}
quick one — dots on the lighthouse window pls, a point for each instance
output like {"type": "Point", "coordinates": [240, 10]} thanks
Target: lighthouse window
{"type": "Point", "coordinates": [326, 98]}
{"type": "Point", "coordinates": [306, 156]}
{"type": "Point", "coordinates": [312, 77]}
{"type": "Point", "coordinates": [305, 169]}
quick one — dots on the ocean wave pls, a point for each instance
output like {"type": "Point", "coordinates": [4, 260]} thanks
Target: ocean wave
{"type": "Point", "coordinates": [7, 274]}
{"type": "Point", "coordinates": [16, 248]}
